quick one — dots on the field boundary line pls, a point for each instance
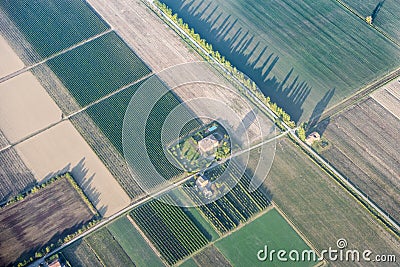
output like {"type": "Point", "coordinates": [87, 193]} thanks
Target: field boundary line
{"type": "Point", "coordinates": [296, 229]}
{"type": "Point", "coordinates": [27, 68]}
{"type": "Point", "coordinates": [66, 118]}
{"type": "Point", "coordinates": [151, 245]}
{"type": "Point", "coordinates": [240, 226]}
{"type": "Point", "coordinates": [379, 215]}
{"type": "Point", "coordinates": [354, 12]}
{"type": "Point", "coordinates": [360, 95]}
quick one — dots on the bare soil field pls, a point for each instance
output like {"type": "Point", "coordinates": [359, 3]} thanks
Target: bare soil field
{"type": "Point", "coordinates": [10, 62]}
{"type": "Point", "coordinates": [40, 219]}
{"type": "Point", "coordinates": [25, 107]}
{"type": "Point", "coordinates": [364, 147]}
{"type": "Point", "coordinates": [321, 209]}
{"type": "Point", "coordinates": [60, 149]}
{"type": "Point", "coordinates": [15, 177]}
{"type": "Point", "coordinates": [389, 97]}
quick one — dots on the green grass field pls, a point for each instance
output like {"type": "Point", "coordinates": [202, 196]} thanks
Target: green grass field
{"type": "Point", "coordinates": [108, 249]}
{"type": "Point", "coordinates": [188, 263]}
{"type": "Point", "coordinates": [385, 13]}
{"type": "Point", "coordinates": [305, 55]}
{"type": "Point", "coordinates": [98, 68]}
{"type": "Point", "coordinates": [53, 25]}
{"type": "Point", "coordinates": [80, 254]}
{"type": "Point", "coordinates": [271, 229]}
{"type": "Point", "coordinates": [133, 243]}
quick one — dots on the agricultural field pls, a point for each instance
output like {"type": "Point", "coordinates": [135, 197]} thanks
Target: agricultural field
{"type": "Point", "coordinates": [133, 243]}
{"type": "Point", "coordinates": [320, 208]}
{"type": "Point", "coordinates": [117, 244]}
{"type": "Point", "coordinates": [20, 113]}
{"type": "Point", "coordinates": [10, 62]}
{"type": "Point", "coordinates": [169, 229]}
{"type": "Point", "coordinates": [58, 29]}
{"type": "Point", "coordinates": [211, 256]}
{"type": "Point", "coordinates": [237, 206]}
{"type": "Point", "coordinates": [98, 68]}
{"type": "Point", "coordinates": [41, 219]}
{"type": "Point", "coordinates": [368, 127]}
{"type": "Point", "coordinates": [384, 14]}
{"type": "Point", "coordinates": [108, 249]}
{"type": "Point", "coordinates": [60, 149]}
{"type": "Point", "coordinates": [15, 177]}
{"type": "Point", "coordinates": [80, 254]}
{"type": "Point", "coordinates": [306, 57]}
{"type": "Point", "coordinates": [271, 229]}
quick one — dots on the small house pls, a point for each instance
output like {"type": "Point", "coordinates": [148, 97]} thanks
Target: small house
{"type": "Point", "coordinates": [312, 137]}
{"type": "Point", "coordinates": [208, 144]}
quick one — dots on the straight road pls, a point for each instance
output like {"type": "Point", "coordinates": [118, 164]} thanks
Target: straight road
{"type": "Point", "coordinates": [293, 131]}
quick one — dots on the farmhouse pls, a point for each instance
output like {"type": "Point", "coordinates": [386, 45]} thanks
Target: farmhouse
{"type": "Point", "coordinates": [208, 144]}
{"type": "Point", "coordinates": [201, 182]}
{"type": "Point", "coordinates": [56, 263]}
{"type": "Point", "coordinates": [312, 137]}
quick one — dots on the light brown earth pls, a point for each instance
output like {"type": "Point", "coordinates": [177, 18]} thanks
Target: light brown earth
{"type": "Point", "coordinates": [25, 107]}
{"type": "Point", "coordinates": [61, 148]}
{"type": "Point", "coordinates": [389, 97]}
{"type": "Point", "coordinates": [9, 61]}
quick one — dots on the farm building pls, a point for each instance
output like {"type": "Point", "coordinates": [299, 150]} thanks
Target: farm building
{"type": "Point", "coordinates": [56, 263]}
{"type": "Point", "coordinates": [312, 137]}
{"type": "Point", "coordinates": [201, 182]}
{"type": "Point", "coordinates": [208, 144]}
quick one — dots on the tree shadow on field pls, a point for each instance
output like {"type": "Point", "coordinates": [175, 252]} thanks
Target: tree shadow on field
{"type": "Point", "coordinates": [243, 49]}
{"type": "Point", "coordinates": [80, 174]}
{"type": "Point", "coordinates": [377, 9]}
{"type": "Point", "coordinates": [317, 113]}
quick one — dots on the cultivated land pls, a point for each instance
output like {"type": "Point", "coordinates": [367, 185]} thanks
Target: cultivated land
{"type": "Point", "coordinates": [61, 148]}
{"type": "Point", "coordinates": [25, 107]}
{"type": "Point", "coordinates": [80, 254]}
{"type": "Point", "coordinates": [15, 177]}
{"type": "Point", "coordinates": [120, 238]}
{"type": "Point", "coordinates": [271, 229]}
{"type": "Point", "coordinates": [133, 243]}
{"type": "Point", "coordinates": [211, 256]}
{"type": "Point", "coordinates": [320, 208]}
{"type": "Point", "coordinates": [108, 249]}
{"type": "Point", "coordinates": [384, 13]}
{"type": "Point", "coordinates": [58, 29]}
{"type": "Point", "coordinates": [40, 219]}
{"type": "Point", "coordinates": [362, 146]}
{"type": "Point", "coordinates": [151, 40]}
{"type": "Point", "coordinates": [305, 57]}
{"type": "Point", "coordinates": [389, 97]}
{"type": "Point", "coordinates": [98, 68]}
{"type": "Point", "coordinates": [10, 62]}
